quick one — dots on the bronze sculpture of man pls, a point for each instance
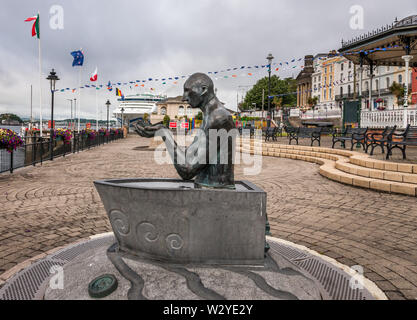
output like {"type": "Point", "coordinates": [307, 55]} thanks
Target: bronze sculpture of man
{"type": "Point", "coordinates": [212, 168]}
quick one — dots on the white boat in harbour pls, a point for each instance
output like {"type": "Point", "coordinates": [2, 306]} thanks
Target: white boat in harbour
{"type": "Point", "coordinates": [135, 106]}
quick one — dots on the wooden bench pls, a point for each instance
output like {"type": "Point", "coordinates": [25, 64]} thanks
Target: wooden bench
{"type": "Point", "coordinates": [378, 139]}
{"type": "Point", "coordinates": [402, 140]}
{"type": "Point", "coordinates": [354, 135]}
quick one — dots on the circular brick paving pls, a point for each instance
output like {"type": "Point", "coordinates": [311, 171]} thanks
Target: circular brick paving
{"type": "Point", "coordinates": [55, 204]}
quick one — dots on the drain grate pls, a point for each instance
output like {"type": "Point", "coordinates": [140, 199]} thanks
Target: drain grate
{"type": "Point", "coordinates": [28, 283]}
{"type": "Point", "coordinates": [288, 252]}
{"type": "Point", "coordinates": [69, 253]}
{"type": "Point", "coordinates": [334, 281]}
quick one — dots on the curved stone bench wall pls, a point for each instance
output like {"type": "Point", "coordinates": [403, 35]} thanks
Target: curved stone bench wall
{"type": "Point", "coordinates": [348, 167]}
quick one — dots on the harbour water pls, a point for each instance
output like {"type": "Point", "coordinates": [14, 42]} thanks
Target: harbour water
{"type": "Point", "coordinates": [13, 128]}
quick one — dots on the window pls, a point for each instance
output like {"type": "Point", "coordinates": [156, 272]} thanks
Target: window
{"type": "Point", "coordinates": [181, 111]}
{"type": "Point", "coordinates": [163, 111]}
{"type": "Point", "coordinates": [366, 86]}
{"type": "Point", "coordinates": [349, 90]}
{"type": "Point", "coordinates": [341, 66]}
{"type": "Point", "coordinates": [377, 85]}
{"type": "Point", "coordinates": [349, 75]}
{"type": "Point", "coordinates": [325, 95]}
{"type": "Point", "coordinates": [400, 79]}
{"type": "Point", "coordinates": [331, 69]}
{"type": "Point", "coordinates": [388, 82]}
{"type": "Point", "coordinates": [341, 77]}
{"type": "Point", "coordinates": [341, 91]}
{"type": "Point", "coordinates": [330, 93]}
{"type": "Point", "coordinates": [350, 64]}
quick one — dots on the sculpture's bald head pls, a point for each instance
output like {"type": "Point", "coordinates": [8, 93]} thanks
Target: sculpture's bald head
{"type": "Point", "coordinates": [198, 88]}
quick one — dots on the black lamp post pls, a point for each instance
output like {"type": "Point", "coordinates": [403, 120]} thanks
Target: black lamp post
{"type": "Point", "coordinates": [108, 106]}
{"type": "Point", "coordinates": [75, 114]}
{"type": "Point", "coordinates": [269, 58]}
{"type": "Point", "coordinates": [71, 113]}
{"type": "Point", "coordinates": [53, 78]}
{"type": "Point", "coordinates": [122, 110]}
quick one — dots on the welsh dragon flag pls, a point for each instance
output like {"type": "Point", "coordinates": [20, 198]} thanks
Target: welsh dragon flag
{"type": "Point", "coordinates": [35, 28]}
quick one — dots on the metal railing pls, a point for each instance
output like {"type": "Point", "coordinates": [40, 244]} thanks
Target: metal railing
{"type": "Point", "coordinates": [37, 149]}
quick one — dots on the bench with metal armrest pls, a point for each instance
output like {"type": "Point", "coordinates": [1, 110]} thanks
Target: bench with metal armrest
{"type": "Point", "coordinates": [402, 140]}
{"type": "Point", "coordinates": [354, 135]}
{"type": "Point", "coordinates": [376, 139]}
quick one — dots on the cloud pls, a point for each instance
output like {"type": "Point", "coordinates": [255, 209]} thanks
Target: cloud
{"type": "Point", "coordinates": [130, 40]}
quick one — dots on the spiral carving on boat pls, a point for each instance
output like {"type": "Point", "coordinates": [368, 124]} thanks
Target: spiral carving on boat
{"type": "Point", "coordinates": [148, 230]}
{"type": "Point", "coordinates": [120, 222]}
{"type": "Point", "coordinates": [174, 241]}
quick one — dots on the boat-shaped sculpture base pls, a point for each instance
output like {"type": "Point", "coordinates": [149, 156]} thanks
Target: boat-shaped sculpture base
{"type": "Point", "coordinates": [175, 221]}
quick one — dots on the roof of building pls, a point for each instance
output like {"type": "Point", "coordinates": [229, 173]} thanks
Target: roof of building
{"type": "Point", "coordinates": [177, 99]}
{"type": "Point", "coordinates": [386, 45]}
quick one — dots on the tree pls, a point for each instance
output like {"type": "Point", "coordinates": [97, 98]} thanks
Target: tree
{"type": "Point", "coordinates": [398, 91]}
{"type": "Point", "coordinates": [277, 102]}
{"type": "Point", "coordinates": [286, 87]}
{"type": "Point", "coordinates": [312, 101]}
{"type": "Point", "coordinates": [10, 117]}
{"type": "Point", "coordinates": [199, 116]}
{"type": "Point", "coordinates": [166, 120]}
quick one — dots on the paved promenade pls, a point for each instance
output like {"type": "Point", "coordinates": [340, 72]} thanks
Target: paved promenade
{"type": "Point", "coordinates": [56, 204]}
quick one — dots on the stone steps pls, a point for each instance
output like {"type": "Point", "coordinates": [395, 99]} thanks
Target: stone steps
{"type": "Point", "coordinates": [345, 166]}
{"type": "Point", "coordinates": [376, 173]}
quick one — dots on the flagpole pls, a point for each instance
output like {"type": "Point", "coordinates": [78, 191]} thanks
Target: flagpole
{"type": "Point", "coordinates": [79, 98]}
{"type": "Point", "coordinates": [96, 111]}
{"type": "Point", "coordinates": [40, 80]}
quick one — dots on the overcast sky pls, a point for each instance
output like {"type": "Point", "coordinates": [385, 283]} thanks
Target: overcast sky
{"type": "Point", "coordinates": [133, 40]}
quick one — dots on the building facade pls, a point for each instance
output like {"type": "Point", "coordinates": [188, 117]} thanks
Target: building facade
{"type": "Point", "coordinates": [175, 108]}
{"type": "Point", "coordinates": [336, 79]}
{"type": "Point", "coordinates": [414, 86]}
{"type": "Point", "coordinates": [304, 85]}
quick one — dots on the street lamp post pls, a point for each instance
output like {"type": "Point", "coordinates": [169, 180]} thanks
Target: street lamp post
{"type": "Point", "coordinates": [75, 114]}
{"type": "Point", "coordinates": [53, 78]}
{"type": "Point", "coordinates": [122, 110]}
{"type": "Point", "coordinates": [269, 58]}
{"type": "Point", "coordinates": [71, 112]}
{"type": "Point", "coordinates": [108, 106]}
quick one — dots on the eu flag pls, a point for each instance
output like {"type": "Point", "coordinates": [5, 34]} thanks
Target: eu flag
{"type": "Point", "coordinates": [78, 58]}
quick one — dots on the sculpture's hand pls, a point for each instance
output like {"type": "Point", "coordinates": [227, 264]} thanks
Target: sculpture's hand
{"type": "Point", "coordinates": [148, 131]}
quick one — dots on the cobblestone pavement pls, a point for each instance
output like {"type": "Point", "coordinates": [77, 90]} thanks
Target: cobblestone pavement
{"type": "Point", "coordinates": [55, 204]}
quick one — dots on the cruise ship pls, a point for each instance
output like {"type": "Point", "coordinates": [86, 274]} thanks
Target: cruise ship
{"type": "Point", "coordinates": [135, 106]}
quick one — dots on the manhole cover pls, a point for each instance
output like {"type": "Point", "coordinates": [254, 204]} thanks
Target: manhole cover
{"type": "Point", "coordinates": [102, 286]}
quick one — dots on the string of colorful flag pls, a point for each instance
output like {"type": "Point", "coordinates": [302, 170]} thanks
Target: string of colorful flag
{"type": "Point", "coordinates": [280, 66]}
